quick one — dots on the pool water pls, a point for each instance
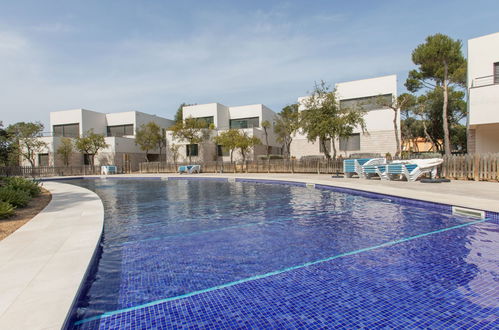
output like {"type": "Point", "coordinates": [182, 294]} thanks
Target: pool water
{"type": "Point", "coordinates": [250, 254]}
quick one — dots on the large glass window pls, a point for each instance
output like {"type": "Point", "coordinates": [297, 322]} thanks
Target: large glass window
{"type": "Point", "coordinates": [221, 151]}
{"type": "Point", "coordinates": [208, 120]}
{"type": "Point", "coordinates": [191, 150]}
{"type": "Point", "coordinates": [366, 103]}
{"type": "Point", "coordinates": [67, 130]}
{"type": "Point", "coordinates": [43, 159]}
{"type": "Point", "coordinates": [245, 122]}
{"type": "Point", "coordinates": [120, 130]}
{"type": "Point", "coordinates": [350, 143]}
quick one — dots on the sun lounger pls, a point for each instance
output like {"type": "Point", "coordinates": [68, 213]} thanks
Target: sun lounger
{"type": "Point", "coordinates": [415, 168]}
{"type": "Point", "coordinates": [373, 170]}
{"type": "Point", "coordinates": [355, 166]}
{"type": "Point", "coordinates": [189, 169]}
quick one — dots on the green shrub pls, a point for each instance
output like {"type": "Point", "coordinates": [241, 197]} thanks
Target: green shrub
{"type": "Point", "coordinates": [30, 186]}
{"type": "Point", "coordinates": [16, 197]}
{"type": "Point", "coordinates": [6, 210]}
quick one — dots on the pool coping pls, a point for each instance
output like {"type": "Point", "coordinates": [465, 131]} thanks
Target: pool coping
{"type": "Point", "coordinates": [61, 240]}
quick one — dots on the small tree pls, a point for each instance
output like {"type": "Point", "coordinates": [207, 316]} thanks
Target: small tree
{"type": "Point", "coordinates": [25, 139]}
{"type": "Point", "coordinates": [174, 149]}
{"type": "Point", "coordinates": [325, 120]}
{"type": "Point", "coordinates": [148, 137]}
{"type": "Point", "coordinates": [228, 140]}
{"type": "Point", "coordinates": [65, 150]}
{"type": "Point", "coordinates": [266, 125]}
{"type": "Point", "coordinates": [287, 123]}
{"type": "Point", "coordinates": [191, 130]}
{"type": "Point", "coordinates": [90, 143]}
{"type": "Point", "coordinates": [440, 64]}
{"type": "Point", "coordinates": [5, 146]}
{"type": "Point", "coordinates": [244, 143]}
{"type": "Point", "coordinates": [397, 104]}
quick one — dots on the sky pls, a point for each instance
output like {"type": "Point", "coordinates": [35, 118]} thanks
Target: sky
{"type": "Point", "coordinates": [150, 56]}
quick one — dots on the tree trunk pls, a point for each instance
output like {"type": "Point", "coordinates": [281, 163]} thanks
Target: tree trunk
{"type": "Point", "coordinates": [231, 152]}
{"type": "Point", "coordinates": [444, 113]}
{"type": "Point", "coordinates": [326, 152]}
{"type": "Point", "coordinates": [267, 141]}
{"type": "Point", "coordinates": [397, 140]}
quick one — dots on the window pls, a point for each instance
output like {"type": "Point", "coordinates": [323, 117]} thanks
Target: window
{"type": "Point", "coordinates": [153, 157]}
{"type": "Point", "coordinates": [191, 150]}
{"type": "Point", "coordinates": [43, 159]}
{"type": "Point", "coordinates": [496, 73]}
{"type": "Point", "coordinates": [86, 159]}
{"type": "Point", "coordinates": [208, 120]}
{"type": "Point", "coordinates": [67, 130]}
{"type": "Point", "coordinates": [366, 103]}
{"type": "Point", "coordinates": [350, 143]}
{"type": "Point", "coordinates": [275, 150]}
{"type": "Point", "coordinates": [328, 146]}
{"type": "Point", "coordinates": [221, 151]}
{"type": "Point", "coordinates": [245, 122]}
{"type": "Point", "coordinates": [120, 130]}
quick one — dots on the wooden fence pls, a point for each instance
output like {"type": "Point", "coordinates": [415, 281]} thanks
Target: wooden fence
{"type": "Point", "coordinates": [260, 166]}
{"type": "Point", "coordinates": [48, 171]}
{"type": "Point", "coordinates": [478, 167]}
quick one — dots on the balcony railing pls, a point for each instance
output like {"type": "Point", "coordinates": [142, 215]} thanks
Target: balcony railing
{"type": "Point", "coordinates": [485, 81]}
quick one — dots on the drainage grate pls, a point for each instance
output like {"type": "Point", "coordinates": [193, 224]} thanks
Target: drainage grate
{"type": "Point", "coordinates": [470, 213]}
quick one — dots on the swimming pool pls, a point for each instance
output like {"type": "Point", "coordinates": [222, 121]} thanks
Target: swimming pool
{"type": "Point", "coordinates": [251, 254]}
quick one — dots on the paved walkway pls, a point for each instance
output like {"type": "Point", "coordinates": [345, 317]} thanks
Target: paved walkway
{"type": "Point", "coordinates": [43, 263]}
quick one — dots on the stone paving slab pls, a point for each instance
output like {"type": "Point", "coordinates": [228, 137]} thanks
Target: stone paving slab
{"type": "Point", "coordinates": [43, 263]}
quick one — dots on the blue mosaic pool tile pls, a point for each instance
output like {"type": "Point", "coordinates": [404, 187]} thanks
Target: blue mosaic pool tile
{"type": "Point", "coordinates": [164, 239]}
{"type": "Point", "coordinates": [407, 285]}
{"type": "Point", "coordinates": [265, 181]}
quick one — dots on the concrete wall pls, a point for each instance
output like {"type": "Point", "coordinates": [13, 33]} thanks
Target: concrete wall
{"type": "Point", "coordinates": [487, 138]}
{"type": "Point", "coordinates": [219, 112]}
{"type": "Point", "coordinates": [483, 52]}
{"type": "Point", "coordinates": [483, 103]}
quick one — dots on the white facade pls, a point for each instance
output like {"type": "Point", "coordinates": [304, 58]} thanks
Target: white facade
{"type": "Point", "coordinates": [247, 118]}
{"type": "Point", "coordinates": [379, 137]}
{"type": "Point", "coordinates": [118, 128]}
{"type": "Point", "coordinates": [483, 93]}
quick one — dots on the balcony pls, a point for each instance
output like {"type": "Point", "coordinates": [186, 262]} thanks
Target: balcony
{"type": "Point", "coordinates": [485, 81]}
{"type": "Point", "coordinates": [484, 101]}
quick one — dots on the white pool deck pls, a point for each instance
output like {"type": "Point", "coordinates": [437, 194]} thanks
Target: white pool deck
{"type": "Point", "coordinates": [43, 263]}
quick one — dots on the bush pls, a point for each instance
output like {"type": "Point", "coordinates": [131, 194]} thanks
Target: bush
{"type": "Point", "coordinates": [6, 210]}
{"type": "Point", "coordinates": [16, 197]}
{"type": "Point", "coordinates": [29, 186]}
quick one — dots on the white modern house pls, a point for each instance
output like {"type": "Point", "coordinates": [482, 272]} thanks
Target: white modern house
{"type": "Point", "coordinates": [247, 118]}
{"type": "Point", "coordinates": [118, 128]}
{"type": "Point", "coordinates": [483, 94]}
{"type": "Point", "coordinates": [379, 137]}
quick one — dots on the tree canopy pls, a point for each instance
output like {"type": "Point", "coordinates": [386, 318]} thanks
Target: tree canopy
{"type": "Point", "coordinates": [440, 65]}
{"type": "Point", "coordinates": [65, 150]}
{"type": "Point", "coordinates": [90, 143]}
{"type": "Point", "coordinates": [148, 137]}
{"type": "Point", "coordinates": [286, 125]}
{"type": "Point", "coordinates": [325, 120]}
{"type": "Point", "coordinates": [25, 140]}
{"type": "Point", "coordinates": [228, 140]}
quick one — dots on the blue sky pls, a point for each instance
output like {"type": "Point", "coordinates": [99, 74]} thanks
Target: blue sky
{"type": "Point", "coordinates": [112, 56]}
